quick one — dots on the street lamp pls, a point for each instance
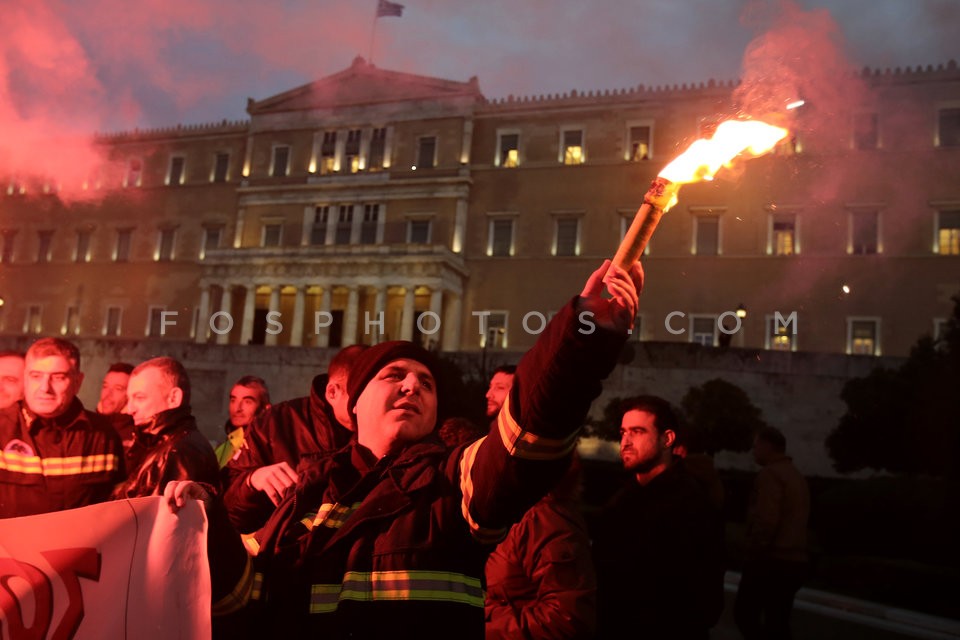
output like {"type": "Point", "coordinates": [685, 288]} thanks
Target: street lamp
{"type": "Point", "coordinates": [741, 311]}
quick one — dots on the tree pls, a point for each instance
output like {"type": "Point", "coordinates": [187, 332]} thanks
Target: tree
{"type": "Point", "coordinates": [905, 420]}
{"type": "Point", "coordinates": [720, 415]}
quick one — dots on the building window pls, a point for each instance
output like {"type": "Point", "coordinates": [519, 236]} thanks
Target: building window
{"type": "Point", "coordinates": [134, 177]}
{"type": "Point", "coordinates": [328, 153]}
{"type": "Point", "coordinates": [344, 224]}
{"type": "Point", "coordinates": [165, 244]}
{"type": "Point", "coordinates": [948, 127]}
{"type": "Point", "coordinates": [318, 230]}
{"type": "Point", "coordinates": [271, 234]}
{"type": "Point", "coordinates": [863, 336]}
{"type": "Point", "coordinates": [703, 330]}
{"type": "Point", "coordinates": [351, 151]}
{"type": "Point", "coordinates": [378, 145]}
{"type": "Point", "coordinates": [495, 334]}
{"type": "Point", "coordinates": [211, 239]}
{"type": "Point", "coordinates": [82, 253]}
{"type": "Point", "coordinates": [866, 131]}
{"type": "Point", "coordinates": [783, 239]}
{"type": "Point", "coordinates": [175, 172]}
{"type": "Point", "coordinates": [639, 142]}
{"type": "Point", "coordinates": [426, 152]}
{"type": "Point", "coordinates": [9, 238]}
{"type": "Point", "coordinates": [371, 224]}
{"type": "Point", "coordinates": [508, 150]}
{"type": "Point", "coordinates": [121, 252]}
{"type": "Point", "coordinates": [706, 235]}
{"type": "Point", "coordinates": [71, 324]}
{"type": "Point", "coordinates": [571, 147]}
{"type": "Point", "coordinates": [155, 322]}
{"type": "Point", "coordinates": [45, 239]}
{"type": "Point", "coordinates": [940, 327]}
{"type": "Point", "coordinates": [280, 165]}
{"type": "Point", "coordinates": [781, 334]}
{"type": "Point", "coordinates": [566, 237]}
{"type": "Point", "coordinates": [418, 231]}
{"type": "Point", "coordinates": [864, 232]}
{"type": "Point", "coordinates": [111, 325]}
{"type": "Point", "coordinates": [221, 166]}
{"type": "Point", "coordinates": [948, 233]}
{"type": "Point", "coordinates": [32, 323]}
{"type": "Point", "coordinates": [500, 242]}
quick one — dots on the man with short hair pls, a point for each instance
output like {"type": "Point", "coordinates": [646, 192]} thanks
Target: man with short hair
{"type": "Point", "coordinates": [11, 378]}
{"type": "Point", "coordinates": [389, 535]}
{"type": "Point", "coordinates": [659, 543]}
{"type": "Point", "coordinates": [55, 455]}
{"type": "Point", "coordinates": [249, 397]}
{"type": "Point", "coordinates": [499, 387]}
{"type": "Point", "coordinates": [167, 445]}
{"type": "Point", "coordinates": [275, 442]}
{"type": "Point", "coordinates": [776, 556]}
{"type": "Point", "coordinates": [113, 399]}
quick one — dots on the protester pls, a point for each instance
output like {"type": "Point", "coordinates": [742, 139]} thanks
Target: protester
{"type": "Point", "coordinates": [167, 445]}
{"type": "Point", "coordinates": [113, 400]}
{"type": "Point", "coordinates": [249, 397]}
{"type": "Point", "coordinates": [389, 536]}
{"type": "Point", "coordinates": [277, 440]}
{"type": "Point", "coordinates": [500, 383]}
{"type": "Point", "coordinates": [55, 455]}
{"type": "Point", "coordinates": [659, 543]}
{"type": "Point", "coordinates": [776, 558]}
{"type": "Point", "coordinates": [11, 378]}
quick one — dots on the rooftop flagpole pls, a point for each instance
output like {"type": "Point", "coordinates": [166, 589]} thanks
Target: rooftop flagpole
{"type": "Point", "coordinates": [373, 29]}
{"type": "Point", "coordinates": [385, 8]}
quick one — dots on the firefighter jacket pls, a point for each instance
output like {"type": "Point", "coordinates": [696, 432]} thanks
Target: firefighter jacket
{"type": "Point", "coordinates": [167, 448]}
{"type": "Point", "coordinates": [541, 583]}
{"type": "Point", "coordinates": [51, 464]}
{"type": "Point", "coordinates": [285, 432]}
{"type": "Point", "coordinates": [396, 547]}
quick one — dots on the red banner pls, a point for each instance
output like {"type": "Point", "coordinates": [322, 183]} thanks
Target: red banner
{"type": "Point", "coordinates": [125, 569]}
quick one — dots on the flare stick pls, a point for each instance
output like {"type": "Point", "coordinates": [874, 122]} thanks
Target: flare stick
{"type": "Point", "coordinates": [657, 200]}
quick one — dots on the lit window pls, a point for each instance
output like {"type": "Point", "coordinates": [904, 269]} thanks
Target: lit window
{"type": "Point", "coordinates": [175, 174]}
{"type": "Point", "coordinates": [318, 230]}
{"type": "Point", "coordinates": [866, 133]}
{"type": "Point", "coordinates": [864, 232]}
{"type": "Point", "coordinates": [703, 330]}
{"type": "Point", "coordinates": [495, 336]}
{"type": "Point", "coordinates": [418, 232]}
{"type": "Point", "coordinates": [781, 333]}
{"type": "Point", "coordinates": [706, 231]}
{"type": "Point", "coordinates": [281, 161]}
{"type": "Point", "coordinates": [71, 324]}
{"type": "Point", "coordinates": [948, 233]}
{"type": "Point", "coordinates": [32, 323]}
{"type": "Point", "coordinates": [783, 234]}
{"type": "Point", "coordinates": [638, 147]}
{"type": "Point", "coordinates": [122, 250]}
{"type": "Point", "coordinates": [272, 234]}
{"type": "Point", "coordinates": [45, 242]}
{"type": "Point", "coordinates": [566, 237]}
{"type": "Point", "coordinates": [344, 231]}
{"type": "Point", "coordinates": [134, 177]}
{"type": "Point", "coordinates": [165, 245]}
{"type": "Point", "coordinates": [6, 252]}
{"type": "Point", "coordinates": [378, 145]}
{"type": "Point", "coordinates": [351, 151]}
{"type": "Point", "coordinates": [501, 237]}
{"type": "Point", "coordinates": [328, 153]}
{"type": "Point", "coordinates": [111, 326]}
{"type": "Point", "coordinates": [948, 127]}
{"type": "Point", "coordinates": [426, 152]}
{"type": "Point", "coordinates": [863, 336]}
{"type": "Point", "coordinates": [211, 239]}
{"type": "Point", "coordinates": [370, 225]}
{"type": "Point", "coordinates": [82, 253]}
{"type": "Point", "coordinates": [221, 165]}
{"type": "Point", "coordinates": [155, 326]}
{"type": "Point", "coordinates": [572, 147]}
{"type": "Point", "coordinates": [508, 153]}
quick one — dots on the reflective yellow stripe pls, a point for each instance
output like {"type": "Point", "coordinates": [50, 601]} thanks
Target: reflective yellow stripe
{"type": "Point", "coordinates": [71, 466]}
{"type": "Point", "coordinates": [257, 586]}
{"type": "Point", "coordinates": [240, 595]}
{"type": "Point", "coordinates": [481, 534]}
{"type": "Point", "coordinates": [529, 446]}
{"type": "Point", "coordinates": [251, 543]}
{"type": "Point", "coordinates": [427, 586]}
{"type": "Point", "coordinates": [331, 515]}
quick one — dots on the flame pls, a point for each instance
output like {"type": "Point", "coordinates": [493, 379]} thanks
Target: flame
{"type": "Point", "coordinates": [733, 138]}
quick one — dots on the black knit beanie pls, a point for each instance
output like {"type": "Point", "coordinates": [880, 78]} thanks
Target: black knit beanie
{"type": "Point", "coordinates": [368, 363]}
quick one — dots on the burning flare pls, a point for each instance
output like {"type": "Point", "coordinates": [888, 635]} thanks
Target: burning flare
{"type": "Point", "coordinates": [701, 161]}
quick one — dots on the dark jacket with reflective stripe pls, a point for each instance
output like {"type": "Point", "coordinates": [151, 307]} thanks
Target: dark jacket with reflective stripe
{"type": "Point", "coordinates": [285, 432]}
{"type": "Point", "coordinates": [51, 464]}
{"type": "Point", "coordinates": [396, 547]}
{"type": "Point", "coordinates": [168, 448]}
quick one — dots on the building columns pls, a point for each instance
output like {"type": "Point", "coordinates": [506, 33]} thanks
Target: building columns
{"type": "Point", "coordinates": [249, 306]}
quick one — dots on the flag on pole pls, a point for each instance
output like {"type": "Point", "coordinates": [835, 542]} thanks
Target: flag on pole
{"type": "Point", "coordinates": [385, 8]}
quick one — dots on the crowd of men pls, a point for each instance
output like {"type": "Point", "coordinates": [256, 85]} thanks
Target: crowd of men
{"type": "Point", "coordinates": [361, 509]}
